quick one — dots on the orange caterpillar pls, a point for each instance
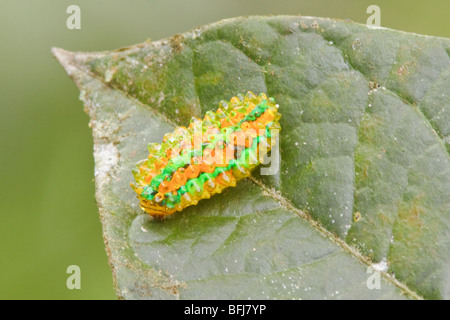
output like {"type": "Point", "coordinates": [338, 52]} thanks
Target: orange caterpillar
{"type": "Point", "coordinates": [210, 155]}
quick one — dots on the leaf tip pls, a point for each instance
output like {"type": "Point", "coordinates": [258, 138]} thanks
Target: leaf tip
{"type": "Point", "coordinates": [65, 58]}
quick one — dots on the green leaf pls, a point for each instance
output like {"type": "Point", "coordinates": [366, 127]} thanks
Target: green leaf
{"type": "Point", "coordinates": [365, 133]}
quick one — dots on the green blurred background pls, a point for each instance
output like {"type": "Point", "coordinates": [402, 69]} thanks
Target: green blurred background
{"type": "Point", "coordinates": [48, 217]}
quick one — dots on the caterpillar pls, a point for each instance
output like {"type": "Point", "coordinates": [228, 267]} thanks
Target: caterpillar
{"type": "Point", "coordinates": [199, 161]}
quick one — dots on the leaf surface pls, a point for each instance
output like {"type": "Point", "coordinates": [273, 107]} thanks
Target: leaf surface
{"type": "Point", "coordinates": [363, 180]}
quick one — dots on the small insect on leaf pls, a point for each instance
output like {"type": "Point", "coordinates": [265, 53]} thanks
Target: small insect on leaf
{"type": "Point", "coordinates": [196, 162]}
